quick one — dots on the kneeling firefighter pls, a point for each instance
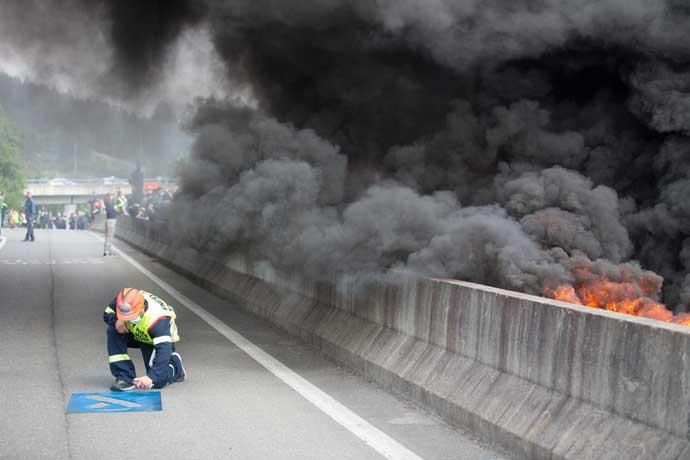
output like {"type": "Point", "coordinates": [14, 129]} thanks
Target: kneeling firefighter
{"type": "Point", "coordinates": [139, 319]}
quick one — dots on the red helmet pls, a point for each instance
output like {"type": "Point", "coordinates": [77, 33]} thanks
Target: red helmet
{"type": "Point", "coordinates": [129, 304]}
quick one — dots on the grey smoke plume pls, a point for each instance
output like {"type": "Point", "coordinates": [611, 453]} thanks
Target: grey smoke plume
{"type": "Point", "coordinates": [561, 208]}
{"type": "Point", "coordinates": [498, 141]}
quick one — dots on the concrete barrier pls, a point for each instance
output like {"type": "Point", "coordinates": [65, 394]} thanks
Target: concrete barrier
{"type": "Point", "coordinates": [542, 379]}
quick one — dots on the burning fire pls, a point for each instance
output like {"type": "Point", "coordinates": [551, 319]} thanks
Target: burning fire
{"type": "Point", "coordinates": [623, 297]}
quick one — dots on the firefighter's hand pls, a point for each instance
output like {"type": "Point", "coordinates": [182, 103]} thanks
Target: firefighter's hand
{"type": "Point", "coordinates": [143, 383]}
{"type": "Point", "coordinates": [120, 327]}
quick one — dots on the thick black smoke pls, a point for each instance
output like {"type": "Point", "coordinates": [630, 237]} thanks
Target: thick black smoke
{"type": "Point", "coordinates": [115, 48]}
{"type": "Point", "coordinates": [503, 142]}
{"type": "Point", "coordinates": [141, 33]}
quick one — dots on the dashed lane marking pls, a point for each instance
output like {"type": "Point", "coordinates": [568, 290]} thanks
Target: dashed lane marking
{"type": "Point", "coordinates": [81, 261]}
{"type": "Point", "coordinates": [372, 436]}
{"type": "Point", "coordinates": [3, 240]}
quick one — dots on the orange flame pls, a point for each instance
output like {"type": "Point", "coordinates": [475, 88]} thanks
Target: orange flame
{"type": "Point", "coordinates": [628, 298]}
{"type": "Point", "coordinates": [682, 318]}
{"type": "Point", "coordinates": [564, 292]}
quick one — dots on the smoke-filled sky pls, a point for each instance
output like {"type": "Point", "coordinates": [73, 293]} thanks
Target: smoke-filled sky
{"type": "Point", "coordinates": [67, 136]}
{"type": "Point", "coordinates": [504, 142]}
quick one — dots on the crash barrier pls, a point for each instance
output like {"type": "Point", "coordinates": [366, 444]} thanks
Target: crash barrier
{"type": "Point", "coordinates": [541, 379]}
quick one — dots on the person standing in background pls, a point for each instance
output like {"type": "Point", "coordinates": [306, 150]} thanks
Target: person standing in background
{"type": "Point", "coordinates": [110, 221]}
{"type": "Point", "coordinates": [150, 213]}
{"type": "Point", "coordinates": [90, 212]}
{"type": "Point", "coordinates": [3, 208]}
{"type": "Point", "coordinates": [136, 180]}
{"type": "Point", "coordinates": [120, 202]}
{"type": "Point", "coordinates": [29, 214]}
{"type": "Point", "coordinates": [12, 218]}
{"type": "Point", "coordinates": [95, 209]}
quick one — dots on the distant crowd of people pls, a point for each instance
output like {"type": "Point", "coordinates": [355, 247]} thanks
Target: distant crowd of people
{"type": "Point", "coordinates": [81, 219]}
{"type": "Point", "coordinates": [153, 207]}
{"type": "Point", "coordinates": [78, 220]}
{"type": "Point", "coordinates": [31, 216]}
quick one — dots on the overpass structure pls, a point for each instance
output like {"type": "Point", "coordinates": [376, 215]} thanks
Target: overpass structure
{"type": "Point", "coordinates": [73, 192]}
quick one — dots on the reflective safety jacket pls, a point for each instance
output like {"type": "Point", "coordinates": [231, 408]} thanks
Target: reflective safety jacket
{"type": "Point", "coordinates": [156, 328]}
{"type": "Point", "coordinates": [154, 311]}
{"type": "Point", "coordinates": [120, 204]}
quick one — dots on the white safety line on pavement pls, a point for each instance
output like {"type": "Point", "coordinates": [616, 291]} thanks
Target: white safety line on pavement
{"type": "Point", "coordinates": [372, 436]}
{"type": "Point", "coordinates": [3, 240]}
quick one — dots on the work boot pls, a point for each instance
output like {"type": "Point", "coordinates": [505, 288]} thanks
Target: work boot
{"type": "Point", "coordinates": [182, 373]}
{"type": "Point", "coordinates": [121, 385]}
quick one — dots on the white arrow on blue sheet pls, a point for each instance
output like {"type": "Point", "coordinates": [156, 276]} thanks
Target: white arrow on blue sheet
{"type": "Point", "coordinates": [105, 401]}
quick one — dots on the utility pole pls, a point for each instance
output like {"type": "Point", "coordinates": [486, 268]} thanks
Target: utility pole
{"type": "Point", "coordinates": [141, 143]}
{"type": "Point", "coordinates": [74, 160]}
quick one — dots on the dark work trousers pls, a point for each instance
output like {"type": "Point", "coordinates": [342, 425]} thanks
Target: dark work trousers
{"type": "Point", "coordinates": [29, 229]}
{"type": "Point", "coordinates": [121, 365]}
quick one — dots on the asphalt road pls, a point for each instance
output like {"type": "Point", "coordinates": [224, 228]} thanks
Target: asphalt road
{"type": "Point", "coordinates": [52, 344]}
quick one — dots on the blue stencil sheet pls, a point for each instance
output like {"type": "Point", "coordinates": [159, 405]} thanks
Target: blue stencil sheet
{"type": "Point", "coordinates": [109, 401]}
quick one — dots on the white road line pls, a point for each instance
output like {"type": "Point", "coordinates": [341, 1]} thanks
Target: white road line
{"type": "Point", "coordinates": [372, 436]}
{"type": "Point", "coordinates": [3, 240]}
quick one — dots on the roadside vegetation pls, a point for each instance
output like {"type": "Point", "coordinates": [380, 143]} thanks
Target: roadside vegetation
{"type": "Point", "coordinates": [11, 170]}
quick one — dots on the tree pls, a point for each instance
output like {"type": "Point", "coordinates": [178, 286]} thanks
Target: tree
{"type": "Point", "coordinates": [11, 173]}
